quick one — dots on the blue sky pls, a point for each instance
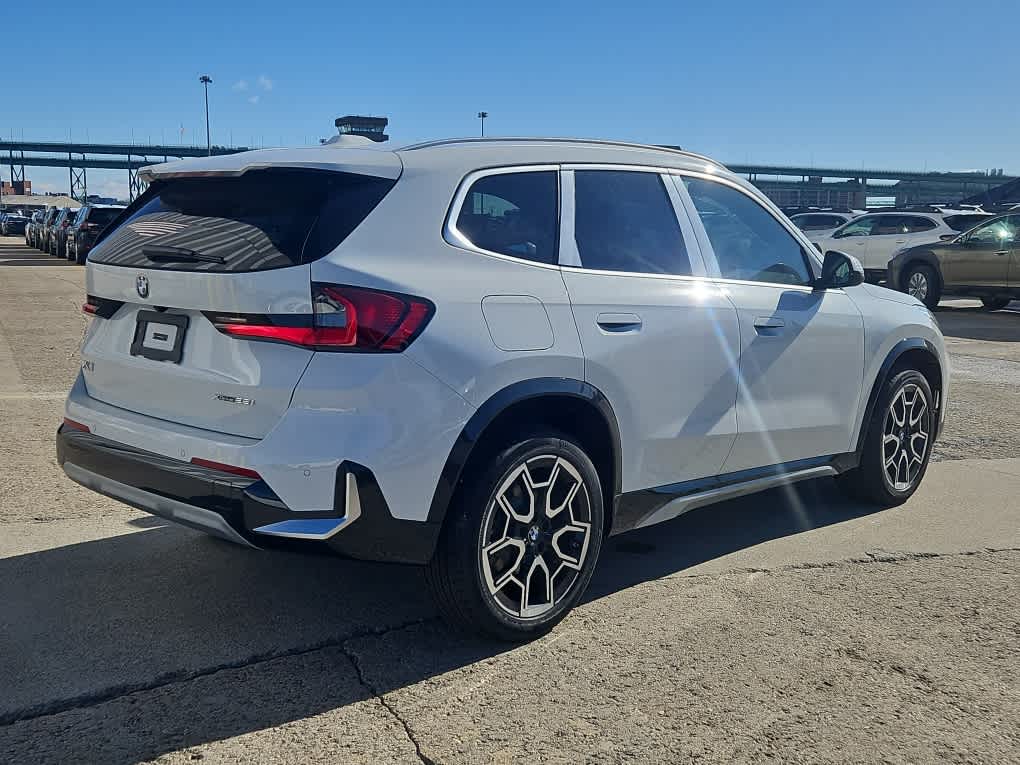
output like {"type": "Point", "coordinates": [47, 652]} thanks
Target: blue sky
{"type": "Point", "coordinates": [902, 84]}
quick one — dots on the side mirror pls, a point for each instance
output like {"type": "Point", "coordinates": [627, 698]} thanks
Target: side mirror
{"type": "Point", "coordinates": [947, 237]}
{"type": "Point", "coordinates": [840, 270]}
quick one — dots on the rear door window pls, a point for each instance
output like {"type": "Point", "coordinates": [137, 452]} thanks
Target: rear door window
{"type": "Point", "coordinates": [916, 224]}
{"type": "Point", "coordinates": [513, 214]}
{"type": "Point", "coordinates": [625, 221]}
{"type": "Point", "coordinates": [260, 220]}
{"type": "Point", "coordinates": [887, 225]}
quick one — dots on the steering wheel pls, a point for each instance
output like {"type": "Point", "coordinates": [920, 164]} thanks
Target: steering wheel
{"type": "Point", "coordinates": [779, 269]}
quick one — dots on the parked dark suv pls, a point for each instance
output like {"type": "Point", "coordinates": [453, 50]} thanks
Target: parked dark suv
{"type": "Point", "coordinates": [42, 238]}
{"type": "Point", "coordinates": [32, 227]}
{"type": "Point", "coordinates": [81, 235]}
{"type": "Point", "coordinates": [983, 262]}
{"type": "Point", "coordinates": [58, 231]}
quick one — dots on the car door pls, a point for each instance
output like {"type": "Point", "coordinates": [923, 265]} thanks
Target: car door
{"type": "Point", "coordinates": [659, 339]}
{"type": "Point", "coordinates": [889, 234]}
{"type": "Point", "coordinates": [981, 257]}
{"type": "Point", "coordinates": [801, 357]}
{"type": "Point", "coordinates": [1013, 277]}
{"type": "Point", "coordinates": [853, 238]}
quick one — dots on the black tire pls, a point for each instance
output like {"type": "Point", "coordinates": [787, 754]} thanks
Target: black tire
{"type": "Point", "coordinates": [917, 274]}
{"type": "Point", "coordinates": [995, 304]}
{"type": "Point", "coordinates": [459, 573]}
{"type": "Point", "coordinates": [870, 481]}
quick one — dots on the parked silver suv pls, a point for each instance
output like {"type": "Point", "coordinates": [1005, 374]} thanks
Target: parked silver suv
{"type": "Point", "coordinates": [484, 357]}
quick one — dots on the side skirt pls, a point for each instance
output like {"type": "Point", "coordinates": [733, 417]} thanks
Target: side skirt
{"type": "Point", "coordinates": [646, 507]}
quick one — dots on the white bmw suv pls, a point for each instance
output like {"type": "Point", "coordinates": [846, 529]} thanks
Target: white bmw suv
{"type": "Point", "coordinates": [482, 356]}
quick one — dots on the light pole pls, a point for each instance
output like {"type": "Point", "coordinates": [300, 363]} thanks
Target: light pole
{"type": "Point", "coordinates": [207, 80]}
{"type": "Point", "coordinates": [481, 118]}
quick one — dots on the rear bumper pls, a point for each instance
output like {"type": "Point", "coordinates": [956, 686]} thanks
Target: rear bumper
{"type": "Point", "coordinates": [241, 509]}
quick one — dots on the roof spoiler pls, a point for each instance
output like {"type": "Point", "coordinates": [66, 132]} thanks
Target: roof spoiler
{"type": "Point", "coordinates": [374, 162]}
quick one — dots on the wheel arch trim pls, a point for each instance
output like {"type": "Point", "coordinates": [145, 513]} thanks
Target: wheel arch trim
{"type": "Point", "coordinates": [892, 357]}
{"type": "Point", "coordinates": [923, 257]}
{"type": "Point", "coordinates": [516, 393]}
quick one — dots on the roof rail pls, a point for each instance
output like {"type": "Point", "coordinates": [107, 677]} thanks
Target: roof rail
{"type": "Point", "coordinates": [533, 139]}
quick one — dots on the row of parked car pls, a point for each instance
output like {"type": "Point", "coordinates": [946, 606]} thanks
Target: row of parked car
{"type": "Point", "coordinates": [67, 232]}
{"type": "Point", "coordinates": [927, 253]}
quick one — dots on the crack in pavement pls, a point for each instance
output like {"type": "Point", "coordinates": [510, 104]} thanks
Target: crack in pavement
{"type": "Point", "coordinates": [381, 698]}
{"type": "Point", "coordinates": [115, 692]}
{"type": "Point", "coordinates": [112, 693]}
{"type": "Point", "coordinates": [877, 556]}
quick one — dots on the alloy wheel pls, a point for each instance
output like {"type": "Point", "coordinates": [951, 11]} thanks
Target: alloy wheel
{"type": "Point", "coordinates": [918, 286]}
{"type": "Point", "coordinates": [905, 437]}
{"type": "Point", "coordinates": [535, 536]}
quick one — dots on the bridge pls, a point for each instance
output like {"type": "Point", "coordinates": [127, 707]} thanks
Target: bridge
{"type": "Point", "coordinates": [78, 158]}
{"type": "Point", "coordinates": [784, 183]}
{"type": "Point", "coordinates": [795, 184]}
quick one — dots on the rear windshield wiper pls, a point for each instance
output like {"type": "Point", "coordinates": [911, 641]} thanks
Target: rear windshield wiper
{"type": "Point", "coordinates": [179, 255]}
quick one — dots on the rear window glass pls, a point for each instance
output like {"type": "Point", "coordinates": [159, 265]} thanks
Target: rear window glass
{"type": "Point", "coordinates": [963, 222]}
{"type": "Point", "coordinates": [258, 221]}
{"type": "Point", "coordinates": [915, 224]}
{"type": "Point", "coordinates": [103, 215]}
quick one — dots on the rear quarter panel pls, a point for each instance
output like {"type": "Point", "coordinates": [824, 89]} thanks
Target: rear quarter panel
{"type": "Point", "coordinates": [400, 247]}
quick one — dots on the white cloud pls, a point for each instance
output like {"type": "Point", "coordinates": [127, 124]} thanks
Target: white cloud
{"type": "Point", "coordinates": [264, 82]}
{"type": "Point", "coordinates": [240, 85]}
{"type": "Point", "coordinates": [253, 99]}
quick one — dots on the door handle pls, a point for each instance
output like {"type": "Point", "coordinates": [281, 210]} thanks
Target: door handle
{"type": "Point", "coordinates": [763, 324]}
{"type": "Point", "coordinates": [900, 241]}
{"type": "Point", "coordinates": [1002, 252]}
{"type": "Point", "coordinates": [619, 322]}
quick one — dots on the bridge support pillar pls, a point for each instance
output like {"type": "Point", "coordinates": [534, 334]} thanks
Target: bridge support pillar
{"type": "Point", "coordinates": [17, 167]}
{"type": "Point", "coordinates": [860, 197]}
{"type": "Point", "coordinates": [136, 186]}
{"type": "Point", "coordinates": [79, 180]}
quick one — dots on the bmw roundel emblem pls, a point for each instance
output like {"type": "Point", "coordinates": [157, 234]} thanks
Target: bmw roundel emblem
{"type": "Point", "coordinates": [142, 285]}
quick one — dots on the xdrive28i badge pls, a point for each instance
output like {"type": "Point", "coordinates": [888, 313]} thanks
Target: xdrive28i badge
{"type": "Point", "coordinates": [142, 285]}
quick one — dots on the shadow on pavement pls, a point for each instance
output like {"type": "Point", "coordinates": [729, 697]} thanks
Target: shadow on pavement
{"type": "Point", "coordinates": [260, 636]}
{"type": "Point", "coordinates": [12, 254]}
{"type": "Point", "coordinates": [975, 323]}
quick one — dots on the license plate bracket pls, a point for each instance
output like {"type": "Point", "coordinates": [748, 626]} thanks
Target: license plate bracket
{"type": "Point", "coordinates": [159, 336]}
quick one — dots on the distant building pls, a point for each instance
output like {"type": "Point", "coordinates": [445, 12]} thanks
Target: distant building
{"type": "Point", "coordinates": [22, 188]}
{"type": "Point", "coordinates": [368, 127]}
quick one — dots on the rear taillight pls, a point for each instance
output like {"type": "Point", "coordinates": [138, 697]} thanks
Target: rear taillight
{"type": "Point", "coordinates": [352, 319]}
{"type": "Point", "coordinates": [73, 425]}
{"type": "Point", "coordinates": [224, 468]}
{"type": "Point", "coordinates": [104, 308]}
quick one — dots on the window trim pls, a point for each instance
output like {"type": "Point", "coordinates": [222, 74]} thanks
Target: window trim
{"type": "Point", "coordinates": [570, 258]}
{"type": "Point", "coordinates": [808, 251]}
{"type": "Point", "coordinates": [455, 238]}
